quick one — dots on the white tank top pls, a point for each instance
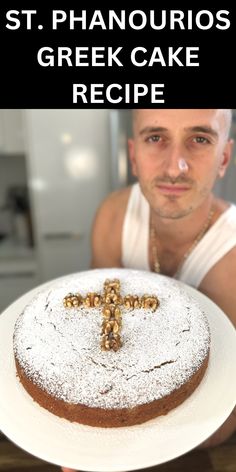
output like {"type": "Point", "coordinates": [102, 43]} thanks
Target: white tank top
{"type": "Point", "coordinates": [218, 240]}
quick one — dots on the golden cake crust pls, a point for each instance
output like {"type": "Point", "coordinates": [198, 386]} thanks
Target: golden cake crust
{"type": "Point", "coordinates": [111, 418]}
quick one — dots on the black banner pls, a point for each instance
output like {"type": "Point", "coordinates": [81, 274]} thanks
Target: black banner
{"type": "Point", "coordinates": [75, 56]}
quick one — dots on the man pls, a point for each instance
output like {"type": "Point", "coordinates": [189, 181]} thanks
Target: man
{"type": "Point", "coordinates": [170, 222]}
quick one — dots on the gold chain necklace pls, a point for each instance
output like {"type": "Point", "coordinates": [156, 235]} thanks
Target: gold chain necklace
{"type": "Point", "coordinates": [156, 262]}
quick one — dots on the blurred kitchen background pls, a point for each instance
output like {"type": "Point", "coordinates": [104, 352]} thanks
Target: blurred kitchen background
{"type": "Point", "coordinates": [56, 166]}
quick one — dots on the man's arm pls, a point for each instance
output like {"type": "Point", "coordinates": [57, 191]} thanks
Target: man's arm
{"type": "Point", "coordinates": [220, 285]}
{"type": "Point", "coordinates": [107, 230]}
{"type": "Point", "coordinates": [223, 433]}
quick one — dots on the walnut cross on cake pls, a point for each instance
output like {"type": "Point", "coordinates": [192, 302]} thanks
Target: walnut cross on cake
{"type": "Point", "coordinates": [111, 301]}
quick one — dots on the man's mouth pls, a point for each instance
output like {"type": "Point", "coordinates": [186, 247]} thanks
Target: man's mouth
{"type": "Point", "coordinates": [172, 189]}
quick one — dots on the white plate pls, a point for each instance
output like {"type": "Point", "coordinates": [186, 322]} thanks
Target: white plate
{"type": "Point", "coordinates": [56, 440]}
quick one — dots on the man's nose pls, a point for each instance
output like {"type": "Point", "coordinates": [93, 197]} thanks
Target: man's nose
{"type": "Point", "coordinates": [175, 162]}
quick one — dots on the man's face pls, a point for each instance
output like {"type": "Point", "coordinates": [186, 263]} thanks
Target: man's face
{"type": "Point", "coordinates": [177, 156]}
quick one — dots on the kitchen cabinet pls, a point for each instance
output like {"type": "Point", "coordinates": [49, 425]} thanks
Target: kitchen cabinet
{"type": "Point", "coordinates": [12, 137]}
{"type": "Point", "coordinates": [14, 283]}
{"type": "Point", "coordinates": [63, 254]}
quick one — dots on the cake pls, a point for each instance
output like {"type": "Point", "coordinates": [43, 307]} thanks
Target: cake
{"type": "Point", "coordinates": [150, 363]}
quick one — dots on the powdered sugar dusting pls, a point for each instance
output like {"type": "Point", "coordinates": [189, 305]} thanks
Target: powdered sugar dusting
{"type": "Point", "coordinates": [59, 348]}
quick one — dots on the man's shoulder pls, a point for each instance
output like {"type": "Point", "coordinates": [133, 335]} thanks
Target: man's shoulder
{"type": "Point", "coordinates": [219, 284]}
{"type": "Point", "coordinates": [114, 204]}
{"type": "Point", "coordinates": [120, 196]}
{"type": "Point", "coordinates": [224, 270]}
{"type": "Point", "coordinates": [224, 207]}
{"type": "Point", "coordinates": [107, 229]}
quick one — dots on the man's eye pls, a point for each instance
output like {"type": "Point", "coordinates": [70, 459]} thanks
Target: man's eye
{"type": "Point", "coordinates": [153, 139]}
{"type": "Point", "coordinates": [201, 140]}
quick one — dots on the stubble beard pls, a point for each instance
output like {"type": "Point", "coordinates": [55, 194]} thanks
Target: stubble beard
{"type": "Point", "coordinates": [172, 213]}
{"type": "Point", "coordinates": [171, 206]}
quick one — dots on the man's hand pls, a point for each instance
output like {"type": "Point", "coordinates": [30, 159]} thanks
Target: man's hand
{"type": "Point", "coordinates": [223, 433]}
{"type": "Point", "coordinates": [65, 469]}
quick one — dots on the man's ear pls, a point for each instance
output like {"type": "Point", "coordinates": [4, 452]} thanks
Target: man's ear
{"type": "Point", "coordinates": [225, 158]}
{"type": "Point", "coordinates": [132, 157]}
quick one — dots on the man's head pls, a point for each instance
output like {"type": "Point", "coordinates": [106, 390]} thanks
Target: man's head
{"type": "Point", "coordinates": [178, 154]}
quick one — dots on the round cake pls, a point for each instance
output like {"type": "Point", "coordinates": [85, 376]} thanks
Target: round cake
{"type": "Point", "coordinates": [111, 347]}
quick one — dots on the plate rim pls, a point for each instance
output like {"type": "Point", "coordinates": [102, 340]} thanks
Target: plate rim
{"type": "Point", "coordinates": [205, 302]}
